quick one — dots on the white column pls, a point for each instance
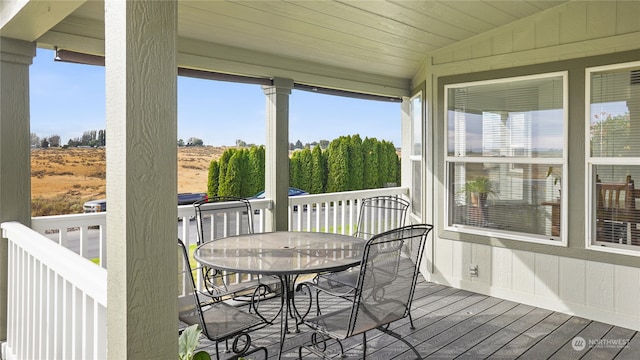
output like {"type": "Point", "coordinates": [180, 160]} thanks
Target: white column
{"type": "Point", "coordinates": [15, 161]}
{"type": "Point", "coordinates": [141, 79]}
{"type": "Point", "coordinates": [277, 152]}
{"type": "Point", "coordinates": [406, 126]}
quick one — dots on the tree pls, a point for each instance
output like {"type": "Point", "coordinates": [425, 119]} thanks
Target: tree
{"type": "Point", "coordinates": [318, 171]}
{"type": "Point", "coordinates": [213, 178]}
{"type": "Point", "coordinates": [356, 163]}
{"type": "Point", "coordinates": [88, 137]}
{"type": "Point", "coordinates": [35, 140]}
{"type": "Point", "coordinates": [338, 165]}
{"type": "Point", "coordinates": [298, 145]}
{"type": "Point", "coordinates": [194, 141]}
{"type": "Point", "coordinates": [294, 169]}
{"type": "Point", "coordinates": [102, 138]}
{"type": "Point", "coordinates": [44, 143]}
{"type": "Point", "coordinates": [256, 169]}
{"type": "Point", "coordinates": [244, 173]}
{"type": "Point", "coordinates": [180, 142]}
{"type": "Point", "coordinates": [304, 169]}
{"type": "Point", "coordinates": [370, 170]}
{"type": "Point", "coordinates": [611, 136]}
{"type": "Point", "coordinates": [235, 178]}
{"type": "Point", "coordinates": [393, 177]}
{"type": "Point", "coordinates": [54, 141]}
{"type": "Point", "coordinates": [224, 162]}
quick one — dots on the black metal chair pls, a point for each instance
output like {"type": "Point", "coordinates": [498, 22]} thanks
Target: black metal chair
{"type": "Point", "coordinates": [221, 216]}
{"type": "Point", "coordinates": [377, 215]}
{"type": "Point", "coordinates": [219, 321]}
{"type": "Point", "coordinates": [383, 292]}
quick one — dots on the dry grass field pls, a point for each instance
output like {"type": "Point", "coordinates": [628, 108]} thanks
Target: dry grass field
{"type": "Point", "coordinates": [63, 179]}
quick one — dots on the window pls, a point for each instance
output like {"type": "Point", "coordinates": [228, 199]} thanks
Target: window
{"type": "Point", "coordinates": [416, 155]}
{"type": "Point", "coordinates": [506, 157]}
{"type": "Point", "coordinates": [613, 157]}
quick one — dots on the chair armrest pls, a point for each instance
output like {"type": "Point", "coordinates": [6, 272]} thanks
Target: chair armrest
{"type": "Point", "coordinates": [337, 291]}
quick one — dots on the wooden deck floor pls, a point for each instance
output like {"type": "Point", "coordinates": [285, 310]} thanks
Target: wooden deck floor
{"type": "Point", "coordinates": [458, 324]}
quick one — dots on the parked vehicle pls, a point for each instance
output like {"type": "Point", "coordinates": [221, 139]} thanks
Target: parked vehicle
{"type": "Point", "coordinates": [292, 192]}
{"type": "Point", "coordinates": [190, 198]}
{"type": "Point", "coordinates": [183, 199]}
{"type": "Point", "coordinates": [94, 206]}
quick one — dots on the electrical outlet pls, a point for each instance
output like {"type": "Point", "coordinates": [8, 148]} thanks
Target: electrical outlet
{"type": "Point", "coordinates": [473, 270]}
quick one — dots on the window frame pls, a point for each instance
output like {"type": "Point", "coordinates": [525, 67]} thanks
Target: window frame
{"type": "Point", "coordinates": [591, 243]}
{"type": "Point", "coordinates": [449, 160]}
{"type": "Point", "coordinates": [416, 159]}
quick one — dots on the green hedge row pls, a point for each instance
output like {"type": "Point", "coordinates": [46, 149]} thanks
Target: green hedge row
{"type": "Point", "coordinates": [348, 163]}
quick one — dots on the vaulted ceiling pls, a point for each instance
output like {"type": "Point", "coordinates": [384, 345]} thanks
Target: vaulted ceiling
{"type": "Point", "coordinates": [382, 42]}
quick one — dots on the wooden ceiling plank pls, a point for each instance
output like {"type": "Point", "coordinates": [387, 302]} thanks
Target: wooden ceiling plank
{"type": "Point", "coordinates": [339, 56]}
{"type": "Point", "coordinates": [278, 28]}
{"type": "Point", "coordinates": [438, 10]}
{"type": "Point", "coordinates": [289, 43]}
{"type": "Point", "coordinates": [348, 20]}
{"type": "Point", "coordinates": [411, 18]}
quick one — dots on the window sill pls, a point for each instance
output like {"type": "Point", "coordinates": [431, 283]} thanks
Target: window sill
{"type": "Point", "coordinates": [612, 248]}
{"type": "Point", "coordinates": [507, 235]}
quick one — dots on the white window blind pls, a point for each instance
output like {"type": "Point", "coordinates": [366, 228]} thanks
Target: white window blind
{"type": "Point", "coordinates": [506, 156]}
{"type": "Point", "coordinates": [613, 158]}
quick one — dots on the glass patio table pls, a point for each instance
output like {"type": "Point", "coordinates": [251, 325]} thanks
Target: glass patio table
{"type": "Point", "coordinates": [285, 254]}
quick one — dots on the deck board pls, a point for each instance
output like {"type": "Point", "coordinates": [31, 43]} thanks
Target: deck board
{"type": "Point", "coordinates": [595, 330]}
{"type": "Point", "coordinates": [604, 351]}
{"type": "Point", "coordinates": [556, 339]}
{"type": "Point", "coordinates": [464, 335]}
{"type": "Point", "coordinates": [633, 350]}
{"type": "Point", "coordinates": [458, 324]}
{"type": "Point", "coordinates": [531, 337]}
{"type": "Point", "coordinates": [505, 334]}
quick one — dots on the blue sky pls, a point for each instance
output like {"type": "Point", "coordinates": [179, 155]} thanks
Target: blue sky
{"type": "Point", "coordinates": [69, 99]}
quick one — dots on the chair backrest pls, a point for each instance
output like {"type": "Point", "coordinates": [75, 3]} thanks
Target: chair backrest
{"type": "Point", "coordinates": [221, 216]}
{"type": "Point", "coordinates": [388, 275]}
{"type": "Point", "coordinates": [615, 196]}
{"type": "Point", "coordinates": [189, 310]}
{"type": "Point", "coordinates": [379, 214]}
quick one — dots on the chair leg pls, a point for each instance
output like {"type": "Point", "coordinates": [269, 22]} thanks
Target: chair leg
{"type": "Point", "coordinates": [364, 345]}
{"type": "Point", "coordinates": [412, 327]}
{"type": "Point", "coordinates": [397, 336]}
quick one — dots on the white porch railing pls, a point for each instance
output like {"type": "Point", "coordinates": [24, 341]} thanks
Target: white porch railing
{"type": "Point", "coordinates": [57, 301]}
{"type": "Point", "coordinates": [85, 234]}
{"type": "Point", "coordinates": [332, 212]}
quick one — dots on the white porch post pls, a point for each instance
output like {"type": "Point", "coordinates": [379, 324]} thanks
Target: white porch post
{"type": "Point", "coordinates": [406, 126]}
{"type": "Point", "coordinates": [277, 152]}
{"type": "Point", "coordinates": [141, 92]}
{"type": "Point", "coordinates": [15, 160]}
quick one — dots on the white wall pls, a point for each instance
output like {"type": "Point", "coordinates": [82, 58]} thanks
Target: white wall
{"type": "Point", "coordinates": [605, 291]}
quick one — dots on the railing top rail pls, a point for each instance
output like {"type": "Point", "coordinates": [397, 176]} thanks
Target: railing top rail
{"type": "Point", "coordinates": [356, 194]}
{"type": "Point", "coordinates": [81, 272]}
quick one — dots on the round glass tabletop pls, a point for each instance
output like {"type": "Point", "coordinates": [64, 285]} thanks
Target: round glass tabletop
{"type": "Point", "coordinates": [282, 252]}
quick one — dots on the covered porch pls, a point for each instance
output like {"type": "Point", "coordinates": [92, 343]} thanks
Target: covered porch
{"type": "Point", "coordinates": [407, 51]}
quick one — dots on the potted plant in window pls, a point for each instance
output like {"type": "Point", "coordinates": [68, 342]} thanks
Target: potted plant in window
{"type": "Point", "coordinates": [478, 192]}
{"type": "Point", "coordinates": [557, 179]}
